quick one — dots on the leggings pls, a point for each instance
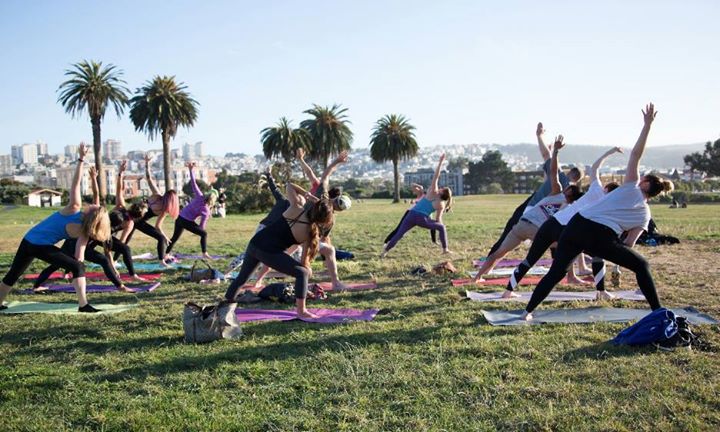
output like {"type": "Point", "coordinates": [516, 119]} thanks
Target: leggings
{"type": "Point", "coordinates": [52, 254]}
{"type": "Point", "coordinates": [91, 255]}
{"type": "Point", "coordinates": [153, 232]}
{"type": "Point", "coordinates": [433, 233]}
{"type": "Point", "coordinates": [514, 219]}
{"type": "Point", "coordinates": [548, 234]}
{"type": "Point", "coordinates": [182, 224]}
{"type": "Point", "coordinates": [279, 261]}
{"type": "Point", "coordinates": [412, 219]}
{"type": "Point", "coordinates": [598, 240]}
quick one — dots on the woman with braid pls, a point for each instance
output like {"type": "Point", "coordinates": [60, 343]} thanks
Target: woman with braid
{"type": "Point", "coordinates": [550, 231]}
{"type": "Point", "coordinates": [596, 229]}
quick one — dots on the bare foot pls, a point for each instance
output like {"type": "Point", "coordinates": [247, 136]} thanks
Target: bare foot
{"type": "Point", "coordinates": [41, 288]}
{"type": "Point", "coordinates": [137, 277]}
{"type": "Point", "coordinates": [123, 288]}
{"type": "Point", "coordinates": [340, 287]}
{"type": "Point", "coordinates": [603, 295]}
{"type": "Point", "coordinates": [509, 294]}
{"type": "Point", "coordinates": [307, 314]}
{"type": "Point", "coordinates": [575, 280]}
{"type": "Point", "coordinates": [478, 279]}
{"type": "Point", "coordinates": [527, 316]}
{"type": "Point", "coordinates": [165, 264]}
{"type": "Point", "coordinates": [447, 252]}
{"type": "Point", "coordinates": [206, 255]}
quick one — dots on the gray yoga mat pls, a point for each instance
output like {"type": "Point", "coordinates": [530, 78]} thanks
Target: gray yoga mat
{"type": "Point", "coordinates": [587, 315]}
{"type": "Point", "coordinates": [553, 296]}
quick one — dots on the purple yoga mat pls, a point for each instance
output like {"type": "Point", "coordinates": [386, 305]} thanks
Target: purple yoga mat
{"type": "Point", "coordinates": [189, 256]}
{"type": "Point", "coordinates": [95, 288]}
{"type": "Point", "coordinates": [547, 262]}
{"type": "Point", "coordinates": [327, 316]}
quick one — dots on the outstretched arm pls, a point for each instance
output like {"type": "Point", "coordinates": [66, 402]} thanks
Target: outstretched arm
{"type": "Point", "coordinates": [94, 185]}
{"type": "Point", "coordinates": [632, 173]}
{"type": "Point", "coordinates": [75, 196]}
{"type": "Point", "coordinates": [300, 154]}
{"type": "Point", "coordinates": [544, 149]}
{"type": "Point", "coordinates": [434, 184]}
{"type": "Point", "coordinates": [119, 186]}
{"type": "Point", "coordinates": [555, 185]}
{"type": "Point", "coordinates": [294, 192]}
{"type": "Point", "coordinates": [193, 183]}
{"type": "Point", "coordinates": [273, 186]}
{"type": "Point", "coordinates": [325, 179]}
{"type": "Point", "coordinates": [595, 170]}
{"type": "Point", "coordinates": [151, 182]}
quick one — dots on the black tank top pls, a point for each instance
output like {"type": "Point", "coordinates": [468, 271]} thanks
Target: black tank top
{"type": "Point", "coordinates": [277, 236]}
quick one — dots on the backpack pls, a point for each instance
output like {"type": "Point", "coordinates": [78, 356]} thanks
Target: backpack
{"type": "Point", "coordinates": [280, 292]}
{"type": "Point", "coordinates": [209, 323]}
{"type": "Point", "coordinates": [198, 275]}
{"type": "Point", "coordinates": [659, 326]}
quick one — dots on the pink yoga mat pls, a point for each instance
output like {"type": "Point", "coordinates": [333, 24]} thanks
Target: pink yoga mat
{"type": "Point", "coordinates": [99, 275]}
{"type": "Point", "coordinates": [514, 262]}
{"type": "Point", "coordinates": [327, 316]}
{"type": "Point", "coordinates": [504, 281]}
{"type": "Point", "coordinates": [190, 256]}
{"type": "Point", "coordinates": [327, 286]}
{"type": "Point", "coordinates": [95, 289]}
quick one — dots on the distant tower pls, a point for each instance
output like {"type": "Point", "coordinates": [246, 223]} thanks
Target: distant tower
{"type": "Point", "coordinates": [112, 149]}
{"type": "Point", "coordinates": [199, 153]}
{"type": "Point", "coordinates": [187, 152]}
{"type": "Point", "coordinates": [42, 148]}
{"type": "Point", "coordinates": [71, 151]}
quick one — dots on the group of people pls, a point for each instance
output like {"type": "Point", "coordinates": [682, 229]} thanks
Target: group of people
{"type": "Point", "coordinates": [603, 222]}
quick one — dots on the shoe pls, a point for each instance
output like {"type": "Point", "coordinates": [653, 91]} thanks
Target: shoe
{"type": "Point", "coordinates": [88, 309]}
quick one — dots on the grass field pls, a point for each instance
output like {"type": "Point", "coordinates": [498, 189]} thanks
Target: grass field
{"type": "Point", "coordinates": [429, 361]}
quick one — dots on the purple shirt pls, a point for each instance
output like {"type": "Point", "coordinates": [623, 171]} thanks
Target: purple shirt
{"type": "Point", "coordinates": [196, 208]}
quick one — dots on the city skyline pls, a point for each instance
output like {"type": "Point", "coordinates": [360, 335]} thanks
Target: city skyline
{"type": "Point", "coordinates": [462, 72]}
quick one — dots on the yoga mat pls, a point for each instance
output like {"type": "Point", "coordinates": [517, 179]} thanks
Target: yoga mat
{"type": "Point", "coordinates": [554, 296]}
{"type": "Point", "coordinates": [144, 256]}
{"type": "Point", "coordinates": [98, 275]}
{"type": "Point", "coordinates": [156, 266]}
{"type": "Point", "coordinates": [508, 271]}
{"type": "Point", "coordinates": [504, 281]}
{"type": "Point", "coordinates": [327, 316]}
{"type": "Point", "coordinates": [327, 286]}
{"type": "Point", "coordinates": [16, 307]}
{"type": "Point", "coordinates": [93, 288]}
{"type": "Point", "coordinates": [588, 315]}
{"type": "Point", "coordinates": [511, 262]}
{"type": "Point", "coordinates": [190, 256]}
{"type": "Point", "coordinates": [275, 275]}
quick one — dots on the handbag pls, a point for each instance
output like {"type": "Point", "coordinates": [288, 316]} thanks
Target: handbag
{"type": "Point", "coordinates": [208, 323]}
{"type": "Point", "coordinates": [198, 274]}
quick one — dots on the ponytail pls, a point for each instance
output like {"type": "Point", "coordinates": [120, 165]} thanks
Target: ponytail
{"type": "Point", "coordinates": [320, 215]}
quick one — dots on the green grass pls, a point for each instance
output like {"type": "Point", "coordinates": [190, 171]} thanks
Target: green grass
{"type": "Point", "coordinates": [429, 361]}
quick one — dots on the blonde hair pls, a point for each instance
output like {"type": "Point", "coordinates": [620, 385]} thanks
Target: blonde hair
{"type": "Point", "coordinates": [96, 224]}
{"type": "Point", "coordinates": [446, 195]}
{"type": "Point", "coordinates": [210, 199]}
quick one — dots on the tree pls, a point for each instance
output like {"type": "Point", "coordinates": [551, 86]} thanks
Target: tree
{"type": "Point", "coordinates": [328, 131]}
{"type": "Point", "coordinates": [393, 140]}
{"type": "Point", "coordinates": [490, 169]}
{"type": "Point", "coordinates": [708, 161]}
{"type": "Point", "coordinates": [161, 106]}
{"type": "Point", "coordinates": [283, 141]}
{"type": "Point", "coordinates": [94, 87]}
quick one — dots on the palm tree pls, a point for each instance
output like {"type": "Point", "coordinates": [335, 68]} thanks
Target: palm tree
{"type": "Point", "coordinates": [161, 106]}
{"type": "Point", "coordinates": [393, 140]}
{"type": "Point", "coordinates": [94, 87]}
{"type": "Point", "coordinates": [328, 131]}
{"type": "Point", "coordinates": [282, 140]}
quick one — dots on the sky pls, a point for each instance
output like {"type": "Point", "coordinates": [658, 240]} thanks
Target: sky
{"type": "Point", "coordinates": [462, 72]}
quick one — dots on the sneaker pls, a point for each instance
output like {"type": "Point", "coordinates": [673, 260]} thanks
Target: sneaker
{"type": "Point", "coordinates": [88, 309]}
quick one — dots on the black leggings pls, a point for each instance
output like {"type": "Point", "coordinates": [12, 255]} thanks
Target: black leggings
{"type": "Point", "coordinates": [91, 255]}
{"type": "Point", "coordinates": [279, 261]}
{"type": "Point", "coordinates": [514, 219]}
{"type": "Point", "coordinates": [121, 248]}
{"type": "Point", "coordinates": [433, 233]}
{"type": "Point", "coordinates": [182, 224]}
{"type": "Point", "coordinates": [584, 235]}
{"type": "Point", "coordinates": [153, 232]}
{"type": "Point", "coordinates": [52, 254]}
{"type": "Point", "coordinates": [548, 234]}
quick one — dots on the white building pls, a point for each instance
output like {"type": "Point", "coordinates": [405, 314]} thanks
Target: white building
{"type": "Point", "coordinates": [112, 149]}
{"type": "Point", "coordinates": [6, 165]}
{"type": "Point", "coordinates": [44, 198]}
{"type": "Point", "coordinates": [193, 151]}
{"type": "Point", "coordinates": [65, 177]}
{"type": "Point", "coordinates": [71, 151]}
{"type": "Point", "coordinates": [42, 148]}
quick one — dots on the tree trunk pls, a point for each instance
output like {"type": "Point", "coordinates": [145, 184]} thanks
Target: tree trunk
{"type": "Point", "coordinates": [167, 162]}
{"type": "Point", "coordinates": [97, 148]}
{"type": "Point", "coordinates": [396, 195]}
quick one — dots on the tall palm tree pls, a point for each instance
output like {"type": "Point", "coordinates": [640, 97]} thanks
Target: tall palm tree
{"type": "Point", "coordinates": [94, 87]}
{"type": "Point", "coordinates": [328, 131]}
{"type": "Point", "coordinates": [393, 140]}
{"type": "Point", "coordinates": [161, 106]}
{"type": "Point", "coordinates": [283, 141]}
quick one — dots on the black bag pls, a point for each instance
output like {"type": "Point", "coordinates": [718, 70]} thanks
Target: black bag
{"type": "Point", "coordinates": [280, 292]}
{"type": "Point", "coordinates": [684, 337]}
{"type": "Point", "coordinates": [197, 275]}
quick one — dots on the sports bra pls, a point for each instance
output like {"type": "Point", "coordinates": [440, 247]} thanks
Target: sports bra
{"type": "Point", "coordinates": [277, 236]}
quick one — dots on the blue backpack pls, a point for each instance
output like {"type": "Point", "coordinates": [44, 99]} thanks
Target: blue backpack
{"type": "Point", "coordinates": [657, 327]}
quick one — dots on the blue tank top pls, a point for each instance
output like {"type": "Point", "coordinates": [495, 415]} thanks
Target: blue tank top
{"type": "Point", "coordinates": [423, 206]}
{"type": "Point", "coordinates": [52, 229]}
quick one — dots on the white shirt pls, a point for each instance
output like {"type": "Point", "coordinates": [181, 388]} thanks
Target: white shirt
{"type": "Point", "coordinates": [545, 208]}
{"type": "Point", "coordinates": [593, 195]}
{"type": "Point", "coordinates": [623, 209]}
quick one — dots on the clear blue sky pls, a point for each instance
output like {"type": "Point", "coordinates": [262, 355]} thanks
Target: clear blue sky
{"type": "Point", "coordinates": [461, 71]}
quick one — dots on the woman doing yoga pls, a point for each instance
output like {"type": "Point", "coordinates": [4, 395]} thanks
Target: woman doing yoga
{"type": "Point", "coordinates": [298, 225]}
{"type": "Point", "coordinates": [200, 207]}
{"type": "Point", "coordinates": [73, 221]}
{"type": "Point", "coordinates": [596, 229]}
{"type": "Point", "coordinates": [438, 200]}
{"type": "Point", "coordinates": [531, 221]}
{"type": "Point", "coordinates": [550, 231]}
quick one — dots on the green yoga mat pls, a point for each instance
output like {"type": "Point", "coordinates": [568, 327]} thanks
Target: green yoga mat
{"type": "Point", "coordinates": [16, 307]}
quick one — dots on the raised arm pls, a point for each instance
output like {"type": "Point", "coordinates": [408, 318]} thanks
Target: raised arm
{"type": "Point", "coordinates": [119, 186]}
{"type": "Point", "coordinates": [273, 186]}
{"type": "Point", "coordinates": [94, 185]}
{"type": "Point", "coordinates": [75, 196]}
{"type": "Point", "coordinates": [595, 170]}
{"type": "Point", "coordinates": [434, 184]}
{"type": "Point", "coordinates": [544, 149]}
{"type": "Point", "coordinates": [151, 182]}
{"type": "Point", "coordinates": [555, 185]}
{"type": "Point", "coordinates": [632, 173]}
{"type": "Point", "coordinates": [193, 183]}
{"type": "Point", "coordinates": [325, 179]}
{"type": "Point", "coordinates": [300, 154]}
{"type": "Point", "coordinates": [294, 192]}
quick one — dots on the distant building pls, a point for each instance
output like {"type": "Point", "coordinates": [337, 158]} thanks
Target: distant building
{"type": "Point", "coordinates": [6, 164]}
{"type": "Point", "coordinates": [44, 198]}
{"type": "Point", "coordinates": [527, 181]}
{"type": "Point", "coordinates": [423, 176]}
{"type": "Point", "coordinates": [42, 148]}
{"type": "Point", "coordinates": [193, 151]}
{"type": "Point", "coordinates": [24, 154]}
{"type": "Point", "coordinates": [112, 149]}
{"type": "Point", "coordinates": [71, 151]}
{"type": "Point", "coordinates": [65, 177]}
